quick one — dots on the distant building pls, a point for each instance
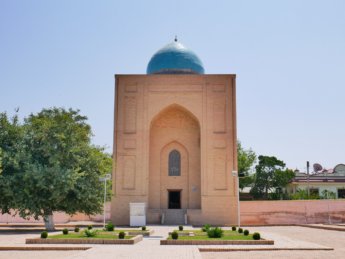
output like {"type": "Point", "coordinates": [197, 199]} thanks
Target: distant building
{"type": "Point", "coordinates": [331, 180]}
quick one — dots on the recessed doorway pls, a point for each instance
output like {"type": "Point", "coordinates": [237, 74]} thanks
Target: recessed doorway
{"type": "Point", "coordinates": [174, 200]}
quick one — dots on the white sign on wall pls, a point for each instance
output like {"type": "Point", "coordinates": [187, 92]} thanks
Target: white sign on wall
{"type": "Point", "coordinates": [137, 212]}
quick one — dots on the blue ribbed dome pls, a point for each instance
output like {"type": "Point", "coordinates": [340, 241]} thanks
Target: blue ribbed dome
{"type": "Point", "coordinates": [175, 58]}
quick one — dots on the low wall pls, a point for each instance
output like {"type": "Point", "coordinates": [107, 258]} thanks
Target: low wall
{"type": "Point", "coordinates": [59, 217]}
{"type": "Point", "coordinates": [292, 212]}
{"type": "Point", "coordinates": [252, 213]}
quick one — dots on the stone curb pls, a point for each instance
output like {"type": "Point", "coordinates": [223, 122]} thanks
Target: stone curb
{"type": "Point", "coordinates": [262, 249]}
{"type": "Point", "coordinates": [42, 248]}
{"type": "Point", "coordinates": [217, 242]}
{"type": "Point", "coordinates": [131, 241]}
{"type": "Point", "coordinates": [323, 227]}
{"type": "Point", "coordinates": [28, 225]}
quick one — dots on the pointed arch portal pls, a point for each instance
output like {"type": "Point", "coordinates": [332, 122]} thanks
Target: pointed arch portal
{"type": "Point", "coordinates": [174, 160]}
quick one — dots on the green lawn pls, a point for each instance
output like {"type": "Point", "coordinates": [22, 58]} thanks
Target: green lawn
{"type": "Point", "coordinates": [196, 232]}
{"type": "Point", "coordinates": [233, 237]}
{"type": "Point", "coordinates": [100, 235]}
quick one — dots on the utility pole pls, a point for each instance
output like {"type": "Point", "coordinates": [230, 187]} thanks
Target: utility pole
{"type": "Point", "coordinates": [308, 190]}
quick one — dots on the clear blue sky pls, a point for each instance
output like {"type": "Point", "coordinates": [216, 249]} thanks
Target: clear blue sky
{"type": "Point", "coordinates": [289, 57]}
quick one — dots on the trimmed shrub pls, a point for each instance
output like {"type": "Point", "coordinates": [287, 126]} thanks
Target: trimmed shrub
{"type": "Point", "coordinates": [122, 235]}
{"type": "Point", "coordinates": [65, 231]}
{"type": "Point", "coordinates": [89, 227]}
{"type": "Point", "coordinates": [256, 236]}
{"type": "Point", "coordinates": [215, 232]}
{"type": "Point", "coordinates": [90, 233]}
{"type": "Point", "coordinates": [206, 227]}
{"type": "Point", "coordinates": [143, 228]}
{"type": "Point", "coordinates": [180, 228]}
{"type": "Point", "coordinates": [246, 232]}
{"type": "Point", "coordinates": [240, 230]}
{"type": "Point", "coordinates": [76, 229]}
{"type": "Point", "coordinates": [110, 226]}
{"type": "Point", "coordinates": [174, 235]}
{"type": "Point", "coordinates": [44, 234]}
{"type": "Point", "coordinates": [233, 228]}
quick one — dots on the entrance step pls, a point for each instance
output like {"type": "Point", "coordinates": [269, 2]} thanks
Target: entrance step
{"type": "Point", "coordinates": [174, 216]}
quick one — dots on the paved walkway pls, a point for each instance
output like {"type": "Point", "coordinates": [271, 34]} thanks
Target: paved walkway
{"type": "Point", "coordinates": [148, 248]}
{"type": "Point", "coordinates": [285, 238]}
{"type": "Point", "coordinates": [301, 235]}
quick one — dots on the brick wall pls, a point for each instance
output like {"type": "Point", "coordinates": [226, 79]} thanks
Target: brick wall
{"type": "Point", "coordinates": [59, 217]}
{"type": "Point", "coordinates": [252, 213]}
{"type": "Point", "coordinates": [292, 212]}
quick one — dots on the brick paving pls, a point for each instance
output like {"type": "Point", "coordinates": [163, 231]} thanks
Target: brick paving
{"type": "Point", "coordinates": [285, 237]}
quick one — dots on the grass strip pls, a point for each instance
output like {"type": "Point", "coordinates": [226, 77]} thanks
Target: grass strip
{"type": "Point", "coordinates": [100, 235]}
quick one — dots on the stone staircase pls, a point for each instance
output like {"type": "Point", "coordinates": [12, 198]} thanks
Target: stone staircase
{"type": "Point", "coordinates": [174, 217]}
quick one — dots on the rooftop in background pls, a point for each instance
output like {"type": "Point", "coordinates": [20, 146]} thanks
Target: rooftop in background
{"type": "Point", "coordinates": [175, 58]}
{"type": "Point", "coordinates": [337, 174]}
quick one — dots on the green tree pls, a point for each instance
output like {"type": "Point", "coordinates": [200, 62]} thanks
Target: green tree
{"type": "Point", "coordinates": [0, 161]}
{"type": "Point", "coordinates": [59, 167]}
{"type": "Point", "coordinates": [11, 135]}
{"type": "Point", "coordinates": [282, 178]}
{"type": "Point", "coordinates": [245, 161]}
{"type": "Point", "coordinates": [270, 174]}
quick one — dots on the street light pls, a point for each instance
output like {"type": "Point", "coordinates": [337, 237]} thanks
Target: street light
{"type": "Point", "coordinates": [105, 179]}
{"type": "Point", "coordinates": [234, 173]}
{"type": "Point", "coordinates": [308, 189]}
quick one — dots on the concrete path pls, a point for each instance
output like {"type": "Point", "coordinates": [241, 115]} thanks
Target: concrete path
{"type": "Point", "coordinates": [148, 248]}
{"type": "Point", "coordinates": [284, 237]}
{"type": "Point", "coordinates": [297, 236]}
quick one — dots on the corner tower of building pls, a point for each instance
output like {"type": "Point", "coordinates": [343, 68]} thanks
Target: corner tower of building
{"type": "Point", "coordinates": [175, 142]}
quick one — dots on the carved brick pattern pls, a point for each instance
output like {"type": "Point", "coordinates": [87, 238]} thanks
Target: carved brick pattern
{"type": "Point", "coordinates": [130, 144]}
{"type": "Point", "coordinates": [219, 143]}
{"type": "Point", "coordinates": [131, 88]}
{"type": "Point", "coordinates": [219, 170]}
{"type": "Point", "coordinates": [219, 120]}
{"type": "Point", "coordinates": [129, 172]}
{"type": "Point", "coordinates": [130, 114]}
{"type": "Point", "coordinates": [219, 88]}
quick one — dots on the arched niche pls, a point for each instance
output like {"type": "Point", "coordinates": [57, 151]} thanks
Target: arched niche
{"type": "Point", "coordinates": [174, 129]}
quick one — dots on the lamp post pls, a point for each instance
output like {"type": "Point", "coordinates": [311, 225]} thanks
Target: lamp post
{"type": "Point", "coordinates": [235, 173]}
{"type": "Point", "coordinates": [308, 189]}
{"type": "Point", "coordinates": [105, 179]}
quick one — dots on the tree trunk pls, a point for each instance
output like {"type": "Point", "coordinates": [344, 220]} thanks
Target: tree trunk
{"type": "Point", "coordinates": [49, 222]}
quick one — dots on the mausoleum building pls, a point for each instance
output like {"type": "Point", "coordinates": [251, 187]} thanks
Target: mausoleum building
{"type": "Point", "coordinates": [175, 142]}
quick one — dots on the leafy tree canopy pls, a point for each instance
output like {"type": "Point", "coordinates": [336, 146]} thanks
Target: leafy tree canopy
{"type": "Point", "coordinates": [245, 161]}
{"type": "Point", "coordinates": [270, 174]}
{"type": "Point", "coordinates": [51, 165]}
{"type": "Point", "coordinates": [11, 134]}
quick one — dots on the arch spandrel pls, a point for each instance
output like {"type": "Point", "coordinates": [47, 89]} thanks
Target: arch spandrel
{"type": "Point", "coordinates": [174, 106]}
